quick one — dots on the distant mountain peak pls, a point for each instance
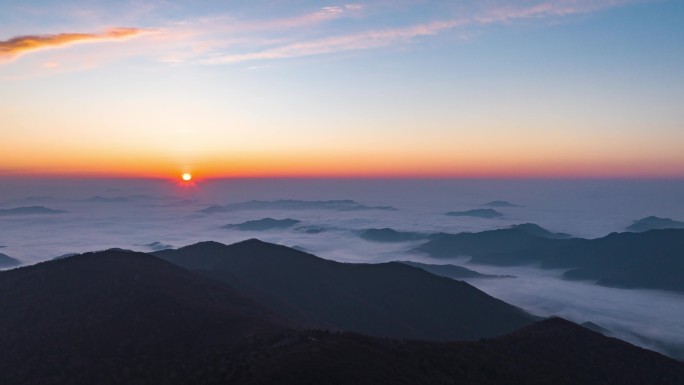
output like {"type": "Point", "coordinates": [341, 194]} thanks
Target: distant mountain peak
{"type": "Point", "coordinates": [30, 210]}
{"type": "Point", "coordinates": [6, 261]}
{"type": "Point", "coordinates": [203, 245]}
{"type": "Point", "coordinates": [257, 241]}
{"type": "Point", "coordinates": [478, 213]}
{"type": "Point", "coordinates": [536, 230]}
{"type": "Point", "coordinates": [500, 204]}
{"type": "Point", "coordinates": [249, 243]}
{"type": "Point", "coordinates": [654, 223]}
{"type": "Point", "coordinates": [390, 235]}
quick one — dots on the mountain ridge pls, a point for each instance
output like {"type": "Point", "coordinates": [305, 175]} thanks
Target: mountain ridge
{"type": "Point", "coordinates": [116, 316]}
{"type": "Point", "coordinates": [387, 300]}
{"type": "Point", "coordinates": [29, 210]}
{"type": "Point", "coordinates": [651, 259]}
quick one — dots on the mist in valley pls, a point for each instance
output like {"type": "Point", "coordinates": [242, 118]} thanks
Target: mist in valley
{"type": "Point", "coordinates": [144, 215]}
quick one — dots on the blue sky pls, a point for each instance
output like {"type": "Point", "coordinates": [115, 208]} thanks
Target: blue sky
{"type": "Point", "coordinates": [462, 88]}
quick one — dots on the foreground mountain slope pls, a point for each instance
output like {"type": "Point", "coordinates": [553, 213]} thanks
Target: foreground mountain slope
{"type": "Point", "coordinates": [119, 317]}
{"type": "Point", "coordinates": [553, 351]}
{"type": "Point", "coordinates": [115, 317]}
{"type": "Point", "coordinates": [389, 299]}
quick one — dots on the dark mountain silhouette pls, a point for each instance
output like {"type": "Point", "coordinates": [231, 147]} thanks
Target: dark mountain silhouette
{"type": "Point", "coordinates": [654, 223]}
{"type": "Point", "coordinates": [552, 351]}
{"type": "Point", "coordinates": [451, 271]}
{"type": "Point", "coordinates": [487, 242]}
{"type": "Point", "coordinates": [652, 259]}
{"type": "Point", "coordinates": [6, 261]}
{"type": "Point", "coordinates": [119, 317]}
{"type": "Point", "coordinates": [391, 235]}
{"type": "Point", "coordinates": [388, 299]}
{"type": "Point", "coordinates": [478, 213]}
{"type": "Point", "coordinates": [538, 231]}
{"type": "Point", "coordinates": [29, 210]}
{"type": "Point", "coordinates": [291, 204]}
{"type": "Point", "coordinates": [116, 317]}
{"type": "Point", "coordinates": [263, 224]}
{"type": "Point", "coordinates": [500, 204]}
{"type": "Point", "coordinates": [156, 246]}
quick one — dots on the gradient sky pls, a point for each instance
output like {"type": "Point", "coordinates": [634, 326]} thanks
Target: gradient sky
{"type": "Point", "coordinates": [487, 88]}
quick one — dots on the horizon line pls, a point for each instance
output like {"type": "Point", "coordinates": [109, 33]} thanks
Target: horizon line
{"type": "Point", "coordinates": [202, 179]}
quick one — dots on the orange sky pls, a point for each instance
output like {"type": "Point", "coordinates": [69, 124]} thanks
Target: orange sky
{"type": "Point", "coordinates": [495, 89]}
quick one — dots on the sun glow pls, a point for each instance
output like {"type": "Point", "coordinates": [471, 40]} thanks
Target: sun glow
{"type": "Point", "coordinates": [186, 177]}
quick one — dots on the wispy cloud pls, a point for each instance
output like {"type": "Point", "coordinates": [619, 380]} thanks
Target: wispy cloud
{"type": "Point", "coordinates": [322, 15]}
{"type": "Point", "coordinates": [359, 41]}
{"type": "Point", "coordinates": [224, 38]}
{"type": "Point", "coordinates": [19, 45]}
{"type": "Point", "coordinates": [192, 39]}
{"type": "Point", "coordinates": [370, 39]}
{"type": "Point", "coordinates": [228, 24]}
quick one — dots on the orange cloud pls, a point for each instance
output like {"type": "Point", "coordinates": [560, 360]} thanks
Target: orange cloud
{"type": "Point", "coordinates": [19, 45]}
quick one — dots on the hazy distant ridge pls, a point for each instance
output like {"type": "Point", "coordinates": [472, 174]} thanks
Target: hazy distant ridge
{"type": "Point", "coordinates": [500, 204]}
{"type": "Point", "coordinates": [391, 235]}
{"type": "Point", "coordinates": [6, 261]}
{"type": "Point", "coordinates": [652, 259]}
{"type": "Point", "coordinates": [655, 223]}
{"type": "Point", "coordinates": [29, 210]}
{"type": "Point", "coordinates": [291, 204]}
{"type": "Point", "coordinates": [477, 213]}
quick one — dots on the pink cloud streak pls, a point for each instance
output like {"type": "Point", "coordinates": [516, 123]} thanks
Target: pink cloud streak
{"type": "Point", "coordinates": [386, 37]}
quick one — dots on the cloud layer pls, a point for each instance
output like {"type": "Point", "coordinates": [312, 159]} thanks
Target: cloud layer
{"type": "Point", "coordinates": [23, 44]}
{"type": "Point", "coordinates": [227, 36]}
{"type": "Point", "coordinates": [139, 213]}
{"type": "Point", "coordinates": [370, 38]}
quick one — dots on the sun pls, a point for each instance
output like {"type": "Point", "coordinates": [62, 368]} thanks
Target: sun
{"type": "Point", "coordinates": [187, 177]}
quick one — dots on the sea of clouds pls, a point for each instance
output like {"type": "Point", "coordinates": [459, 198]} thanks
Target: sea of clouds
{"type": "Point", "coordinates": [131, 214]}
